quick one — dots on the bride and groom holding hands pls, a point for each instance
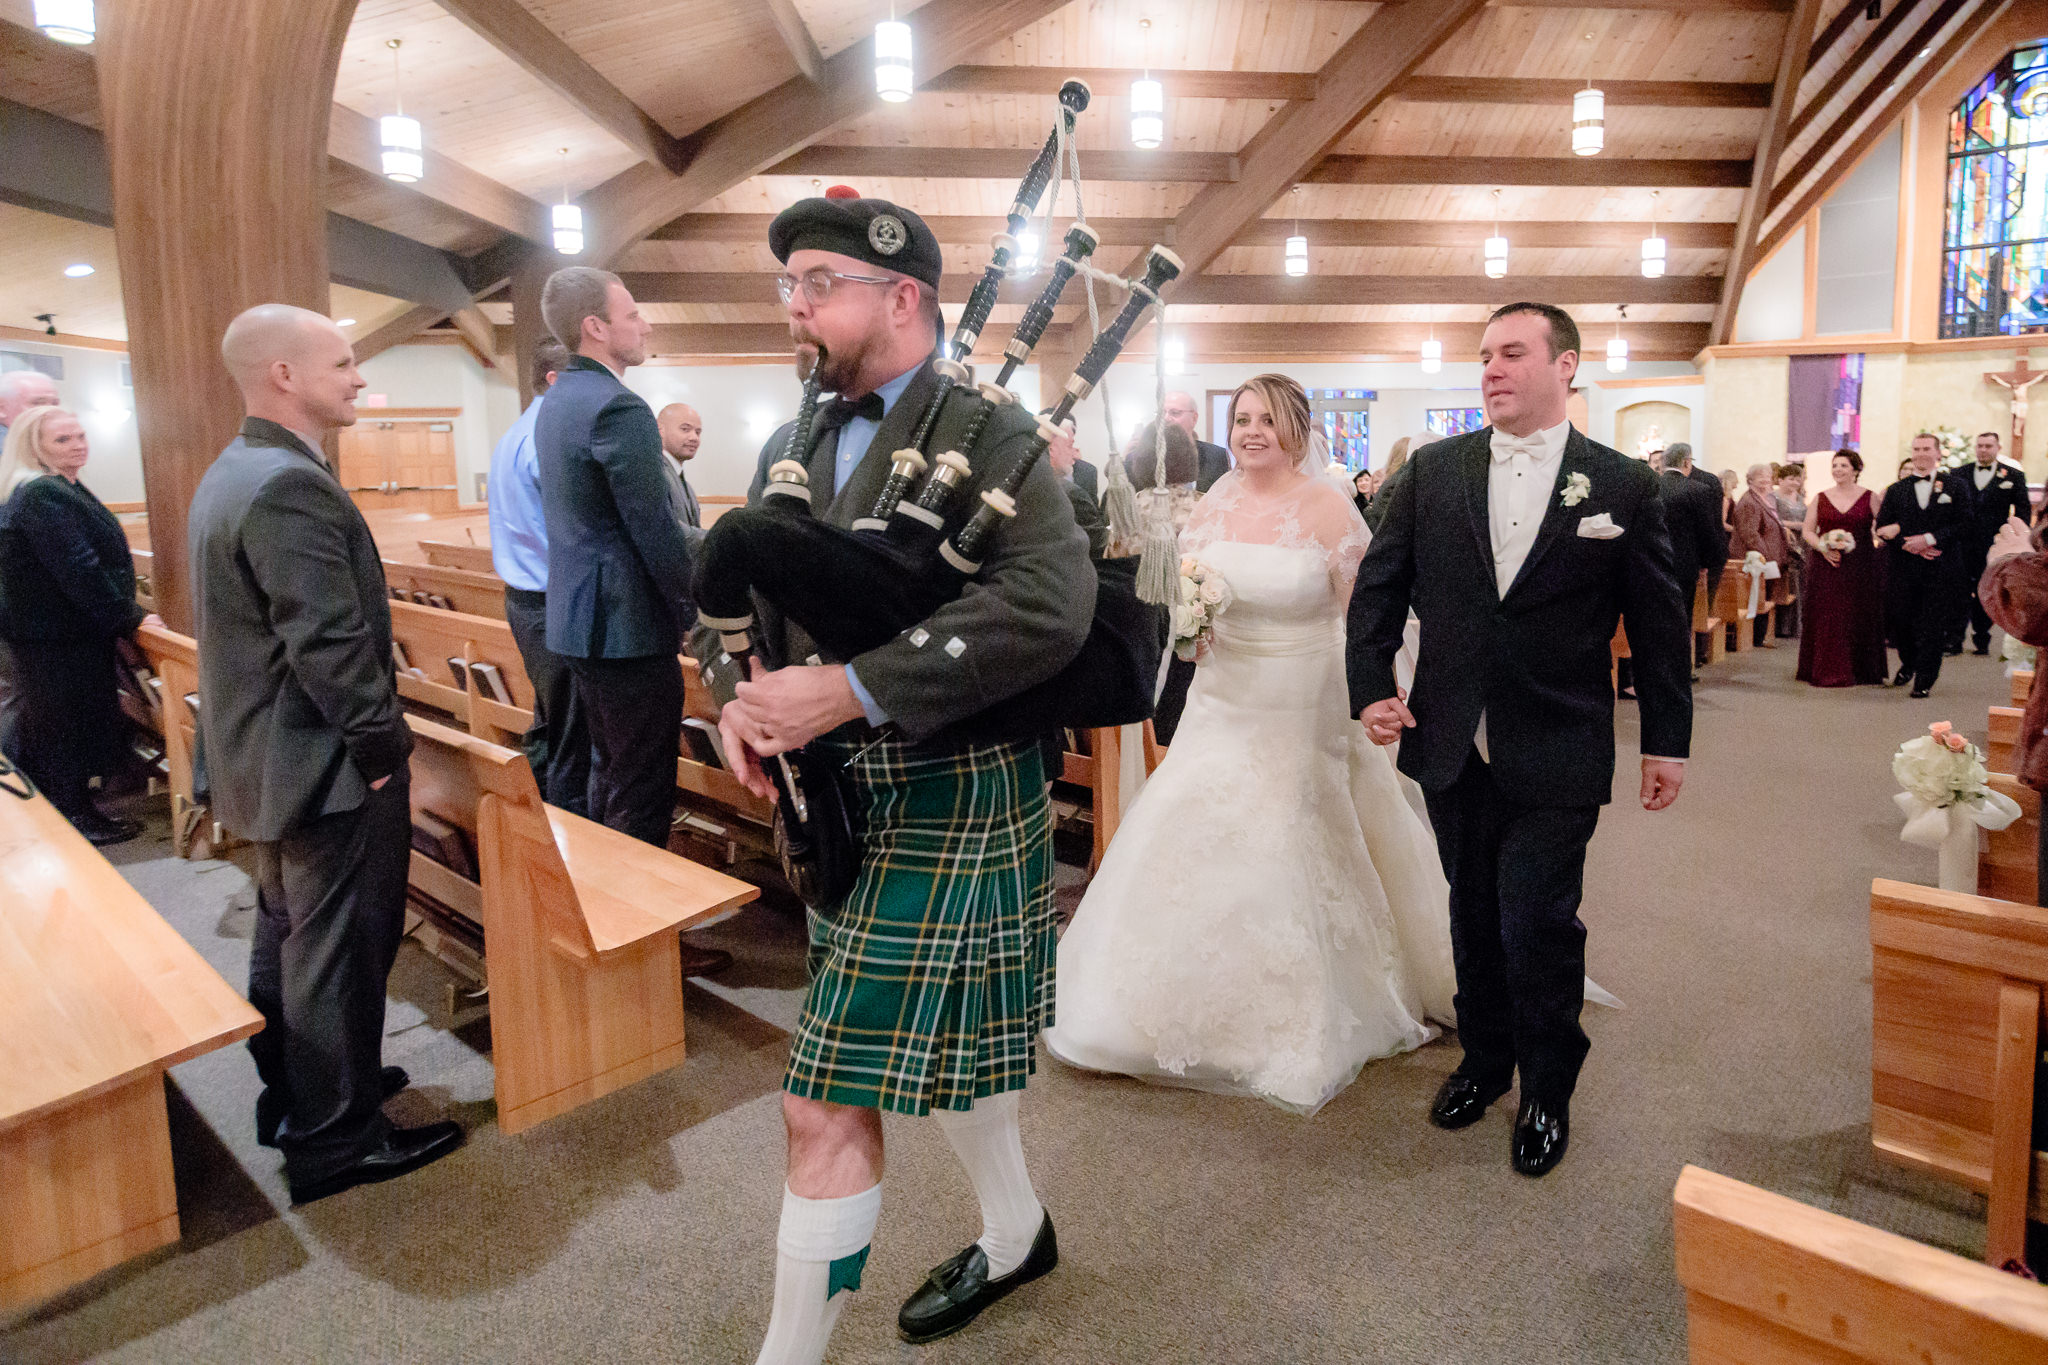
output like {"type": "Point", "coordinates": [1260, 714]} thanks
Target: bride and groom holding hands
{"type": "Point", "coordinates": [1274, 913]}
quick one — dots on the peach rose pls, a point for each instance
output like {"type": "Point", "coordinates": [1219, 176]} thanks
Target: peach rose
{"type": "Point", "coordinates": [1940, 727]}
{"type": "Point", "coordinates": [1955, 742]}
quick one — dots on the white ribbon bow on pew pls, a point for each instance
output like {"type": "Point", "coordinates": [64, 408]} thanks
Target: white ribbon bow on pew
{"type": "Point", "coordinates": [1760, 571]}
{"type": "Point", "coordinates": [1953, 830]}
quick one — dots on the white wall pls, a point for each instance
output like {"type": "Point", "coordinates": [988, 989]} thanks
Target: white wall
{"type": "Point", "coordinates": [1602, 404]}
{"type": "Point", "coordinates": [448, 377]}
{"type": "Point", "coordinates": [92, 388]}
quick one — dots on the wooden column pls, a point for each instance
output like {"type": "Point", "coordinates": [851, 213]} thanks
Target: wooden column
{"type": "Point", "coordinates": [528, 331]}
{"type": "Point", "coordinates": [216, 121]}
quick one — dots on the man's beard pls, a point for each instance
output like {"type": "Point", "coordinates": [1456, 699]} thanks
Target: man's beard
{"type": "Point", "coordinates": [842, 367]}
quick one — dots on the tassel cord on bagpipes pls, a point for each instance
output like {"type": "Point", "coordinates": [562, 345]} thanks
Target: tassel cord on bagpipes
{"type": "Point", "coordinates": [1159, 561]}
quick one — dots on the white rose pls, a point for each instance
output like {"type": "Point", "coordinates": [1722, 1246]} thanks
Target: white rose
{"type": "Point", "coordinates": [1929, 770]}
{"type": "Point", "coordinates": [1213, 592]}
{"type": "Point", "coordinates": [1186, 621]}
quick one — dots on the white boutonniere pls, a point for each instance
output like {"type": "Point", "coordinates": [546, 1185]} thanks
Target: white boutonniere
{"type": "Point", "coordinates": [1577, 489]}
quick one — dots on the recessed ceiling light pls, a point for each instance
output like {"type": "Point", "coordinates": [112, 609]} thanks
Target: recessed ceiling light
{"type": "Point", "coordinates": [344, 322]}
{"type": "Point", "coordinates": [79, 271]}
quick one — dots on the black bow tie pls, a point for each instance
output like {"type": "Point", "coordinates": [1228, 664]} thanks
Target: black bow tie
{"type": "Point", "coordinates": [840, 411]}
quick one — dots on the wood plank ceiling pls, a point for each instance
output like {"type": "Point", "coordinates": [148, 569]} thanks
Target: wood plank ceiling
{"type": "Point", "coordinates": [1394, 208]}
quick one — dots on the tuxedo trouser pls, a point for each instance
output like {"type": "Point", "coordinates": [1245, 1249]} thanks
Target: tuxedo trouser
{"type": "Point", "coordinates": [1921, 600]}
{"type": "Point", "coordinates": [558, 746]}
{"type": "Point", "coordinates": [634, 708]}
{"type": "Point", "coordinates": [1971, 619]}
{"type": "Point", "coordinates": [330, 911]}
{"type": "Point", "coordinates": [1517, 875]}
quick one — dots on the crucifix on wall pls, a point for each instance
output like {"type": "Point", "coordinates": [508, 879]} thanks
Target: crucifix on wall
{"type": "Point", "coordinates": [2018, 379]}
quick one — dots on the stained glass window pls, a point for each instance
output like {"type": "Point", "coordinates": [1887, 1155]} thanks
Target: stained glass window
{"type": "Point", "coordinates": [1995, 267]}
{"type": "Point", "coordinates": [1345, 421]}
{"type": "Point", "coordinates": [1454, 421]}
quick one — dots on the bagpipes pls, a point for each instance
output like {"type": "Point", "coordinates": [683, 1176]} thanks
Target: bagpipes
{"type": "Point", "coordinates": [854, 590]}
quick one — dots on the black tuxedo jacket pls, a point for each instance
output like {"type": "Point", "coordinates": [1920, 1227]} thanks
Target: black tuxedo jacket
{"type": "Point", "coordinates": [2004, 496]}
{"type": "Point", "coordinates": [1946, 517]}
{"type": "Point", "coordinates": [1698, 539]}
{"type": "Point", "coordinates": [1535, 662]}
{"type": "Point", "coordinates": [1212, 463]}
{"type": "Point", "coordinates": [618, 564]}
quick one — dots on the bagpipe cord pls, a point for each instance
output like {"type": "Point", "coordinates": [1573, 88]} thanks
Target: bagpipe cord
{"type": "Point", "coordinates": [1159, 562]}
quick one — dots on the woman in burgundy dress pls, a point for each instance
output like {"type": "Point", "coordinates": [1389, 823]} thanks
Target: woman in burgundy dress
{"type": "Point", "coordinates": [1842, 644]}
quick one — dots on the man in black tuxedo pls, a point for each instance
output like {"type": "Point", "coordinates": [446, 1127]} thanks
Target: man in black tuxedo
{"type": "Point", "coordinates": [1997, 492]}
{"type": "Point", "coordinates": [302, 749]}
{"type": "Point", "coordinates": [1693, 514]}
{"type": "Point", "coordinates": [1212, 461]}
{"type": "Point", "coordinates": [618, 563]}
{"type": "Point", "coordinates": [1925, 517]}
{"type": "Point", "coordinates": [1520, 547]}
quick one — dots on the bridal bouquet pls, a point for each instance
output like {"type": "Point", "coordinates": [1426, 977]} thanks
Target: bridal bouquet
{"type": "Point", "coordinates": [1946, 799]}
{"type": "Point", "coordinates": [1840, 541]}
{"type": "Point", "coordinates": [1203, 597]}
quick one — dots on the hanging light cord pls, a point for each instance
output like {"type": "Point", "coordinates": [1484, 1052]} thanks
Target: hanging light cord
{"type": "Point", "coordinates": [397, 81]}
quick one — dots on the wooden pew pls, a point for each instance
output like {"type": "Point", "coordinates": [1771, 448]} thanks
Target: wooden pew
{"type": "Point", "coordinates": [1101, 771]}
{"type": "Point", "coordinates": [1956, 1001]}
{"type": "Point", "coordinates": [1771, 1281]}
{"type": "Point", "coordinates": [175, 660]}
{"type": "Point", "coordinates": [2006, 858]}
{"type": "Point", "coordinates": [145, 577]}
{"type": "Point", "coordinates": [1706, 626]}
{"type": "Point", "coordinates": [98, 998]}
{"type": "Point", "coordinates": [430, 637]}
{"type": "Point", "coordinates": [451, 554]}
{"type": "Point", "coordinates": [464, 590]}
{"type": "Point", "coordinates": [2022, 685]}
{"type": "Point", "coordinates": [1732, 607]}
{"type": "Point", "coordinates": [580, 925]}
{"type": "Point", "coordinates": [2002, 737]}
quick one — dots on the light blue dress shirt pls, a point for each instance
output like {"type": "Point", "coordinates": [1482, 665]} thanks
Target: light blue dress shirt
{"type": "Point", "coordinates": [519, 529]}
{"type": "Point", "coordinates": [854, 439]}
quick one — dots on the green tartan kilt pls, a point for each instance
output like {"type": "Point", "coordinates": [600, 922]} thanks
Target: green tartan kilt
{"type": "Point", "coordinates": [930, 984]}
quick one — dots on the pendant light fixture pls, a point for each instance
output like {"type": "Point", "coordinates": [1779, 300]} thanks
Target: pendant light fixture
{"type": "Point", "coordinates": [1589, 126]}
{"type": "Point", "coordinates": [1176, 353]}
{"type": "Point", "coordinates": [66, 21]}
{"type": "Point", "coordinates": [1148, 101]}
{"type": "Point", "coordinates": [568, 217]}
{"type": "Point", "coordinates": [1617, 345]}
{"type": "Point", "coordinates": [1297, 245]}
{"type": "Point", "coordinates": [1496, 245]}
{"type": "Point", "coordinates": [1432, 352]}
{"type": "Point", "coordinates": [403, 157]}
{"type": "Point", "coordinates": [892, 59]}
{"type": "Point", "coordinates": [1655, 248]}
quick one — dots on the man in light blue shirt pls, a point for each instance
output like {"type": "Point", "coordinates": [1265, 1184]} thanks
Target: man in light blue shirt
{"type": "Point", "coordinates": [854, 439]}
{"type": "Point", "coordinates": [558, 745]}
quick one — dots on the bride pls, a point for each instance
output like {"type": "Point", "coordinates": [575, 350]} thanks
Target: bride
{"type": "Point", "coordinates": [1271, 915]}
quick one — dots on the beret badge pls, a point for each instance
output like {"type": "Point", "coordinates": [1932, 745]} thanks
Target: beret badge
{"type": "Point", "coordinates": [887, 234]}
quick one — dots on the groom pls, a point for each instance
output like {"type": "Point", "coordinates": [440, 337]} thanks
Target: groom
{"type": "Point", "coordinates": [1519, 547]}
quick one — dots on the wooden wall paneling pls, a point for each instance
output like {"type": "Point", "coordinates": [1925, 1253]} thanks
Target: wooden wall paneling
{"type": "Point", "coordinates": [1763, 171]}
{"type": "Point", "coordinates": [219, 194]}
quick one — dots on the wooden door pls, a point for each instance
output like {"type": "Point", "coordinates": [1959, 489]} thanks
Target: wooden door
{"type": "Point", "coordinates": [406, 466]}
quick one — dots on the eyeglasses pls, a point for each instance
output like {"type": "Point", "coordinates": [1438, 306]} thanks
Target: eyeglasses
{"type": "Point", "coordinates": [817, 284]}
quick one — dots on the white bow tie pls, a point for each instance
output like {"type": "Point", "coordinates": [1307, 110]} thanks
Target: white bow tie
{"type": "Point", "coordinates": [1506, 447]}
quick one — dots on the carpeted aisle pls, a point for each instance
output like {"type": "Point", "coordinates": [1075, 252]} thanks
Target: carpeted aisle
{"type": "Point", "coordinates": [1194, 1228]}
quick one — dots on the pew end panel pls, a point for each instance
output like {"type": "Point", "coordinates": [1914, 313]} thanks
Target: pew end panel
{"type": "Point", "coordinates": [1770, 1280]}
{"type": "Point", "coordinates": [2007, 858]}
{"type": "Point", "coordinates": [175, 660]}
{"type": "Point", "coordinates": [2001, 739]}
{"type": "Point", "coordinates": [453, 554]}
{"type": "Point", "coordinates": [1956, 1003]}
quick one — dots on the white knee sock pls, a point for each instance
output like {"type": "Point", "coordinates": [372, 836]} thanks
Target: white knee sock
{"type": "Point", "coordinates": [819, 1252]}
{"type": "Point", "coordinates": [990, 1145]}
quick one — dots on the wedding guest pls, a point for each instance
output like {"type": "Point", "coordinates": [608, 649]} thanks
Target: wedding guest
{"type": "Point", "coordinates": [1178, 496]}
{"type": "Point", "coordinates": [20, 390]}
{"type": "Point", "coordinates": [2000, 494]}
{"type": "Point", "coordinates": [2014, 594]}
{"type": "Point", "coordinates": [1212, 461]}
{"type": "Point", "coordinates": [67, 592]}
{"type": "Point", "coordinates": [1843, 642]}
{"type": "Point", "coordinates": [1731, 489]}
{"type": "Point", "coordinates": [1085, 475]}
{"type": "Point", "coordinates": [1376, 511]}
{"type": "Point", "coordinates": [1925, 519]}
{"type": "Point", "coordinates": [1678, 455]}
{"type": "Point", "coordinates": [1757, 529]}
{"type": "Point", "coordinates": [1693, 514]}
{"type": "Point", "coordinates": [1364, 484]}
{"type": "Point", "coordinates": [1065, 458]}
{"type": "Point", "coordinates": [1791, 496]}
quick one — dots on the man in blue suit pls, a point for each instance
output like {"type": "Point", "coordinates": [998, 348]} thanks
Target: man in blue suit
{"type": "Point", "coordinates": [618, 594]}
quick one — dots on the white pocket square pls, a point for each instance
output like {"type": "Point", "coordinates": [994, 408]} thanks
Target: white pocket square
{"type": "Point", "coordinates": [1599, 527]}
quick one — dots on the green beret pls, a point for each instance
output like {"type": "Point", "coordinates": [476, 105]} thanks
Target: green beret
{"type": "Point", "coordinates": [871, 230]}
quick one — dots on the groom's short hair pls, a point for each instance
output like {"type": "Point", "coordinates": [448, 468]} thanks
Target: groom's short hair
{"type": "Point", "coordinates": [1564, 333]}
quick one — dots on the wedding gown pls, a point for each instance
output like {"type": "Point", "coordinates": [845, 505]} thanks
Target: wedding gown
{"type": "Point", "coordinates": [1271, 914]}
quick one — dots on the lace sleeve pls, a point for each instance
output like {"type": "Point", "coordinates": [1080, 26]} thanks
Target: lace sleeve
{"type": "Point", "coordinates": [1331, 520]}
{"type": "Point", "coordinates": [1208, 523]}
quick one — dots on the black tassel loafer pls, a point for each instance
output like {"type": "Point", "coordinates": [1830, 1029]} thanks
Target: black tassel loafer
{"type": "Point", "coordinates": [1461, 1101]}
{"type": "Point", "coordinates": [955, 1293]}
{"type": "Point", "coordinates": [1542, 1131]}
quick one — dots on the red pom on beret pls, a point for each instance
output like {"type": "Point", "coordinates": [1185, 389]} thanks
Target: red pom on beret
{"type": "Point", "coordinates": [842, 192]}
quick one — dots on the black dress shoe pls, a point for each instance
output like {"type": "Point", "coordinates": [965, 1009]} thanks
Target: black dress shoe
{"type": "Point", "coordinates": [1461, 1101]}
{"type": "Point", "coordinates": [1919, 692]}
{"type": "Point", "coordinates": [1952, 651]}
{"type": "Point", "coordinates": [403, 1151]}
{"type": "Point", "coordinates": [101, 830]}
{"type": "Point", "coordinates": [269, 1118]}
{"type": "Point", "coordinates": [704, 961]}
{"type": "Point", "coordinates": [1542, 1131]}
{"type": "Point", "coordinates": [1902, 677]}
{"type": "Point", "coordinates": [954, 1294]}
{"type": "Point", "coordinates": [1981, 650]}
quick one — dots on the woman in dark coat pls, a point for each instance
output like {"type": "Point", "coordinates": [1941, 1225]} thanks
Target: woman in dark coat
{"type": "Point", "coordinates": [67, 592]}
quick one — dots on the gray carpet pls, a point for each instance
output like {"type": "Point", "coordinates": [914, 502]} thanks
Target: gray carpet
{"type": "Point", "coordinates": [1193, 1227]}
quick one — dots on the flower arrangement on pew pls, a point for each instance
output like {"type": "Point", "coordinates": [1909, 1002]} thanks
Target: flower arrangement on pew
{"type": "Point", "coordinates": [1203, 597]}
{"type": "Point", "coordinates": [1947, 799]}
{"type": "Point", "coordinates": [1760, 571]}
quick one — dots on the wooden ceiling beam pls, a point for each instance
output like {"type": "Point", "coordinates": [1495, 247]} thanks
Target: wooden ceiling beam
{"type": "Point", "coordinates": [1866, 51]}
{"type": "Point", "coordinates": [999, 163]}
{"type": "Point", "coordinates": [796, 36]}
{"type": "Point", "coordinates": [1301, 85]}
{"type": "Point", "coordinates": [1323, 232]}
{"type": "Point", "coordinates": [1597, 172]}
{"type": "Point", "coordinates": [1844, 20]}
{"type": "Point", "coordinates": [707, 287]}
{"type": "Point", "coordinates": [398, 331]}
{"type": "Point", "coordinates": [1217, 340]}
{"type": "Point", "coordinates": [771, 127]}
{"type": "Point", "coordinates": [1883, 82]}
{"type": "Point", "coordinates": [1788, 216]}
{"type": "Point", "coordinates": [1763, 171]}
{"type": "Point", "coordinates": [511, 28]}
